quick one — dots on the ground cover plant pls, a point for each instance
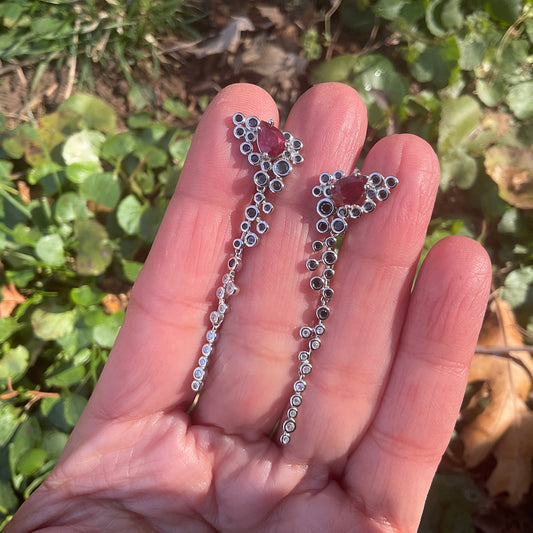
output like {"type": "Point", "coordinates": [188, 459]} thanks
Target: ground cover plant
{"type": "Point", "coordinates": [84, 183]}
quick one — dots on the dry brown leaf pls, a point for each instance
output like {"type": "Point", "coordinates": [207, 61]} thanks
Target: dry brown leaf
{"type": "Point", "coordinates": [115, 302]}
{"type": "Point", "coordinates": [10, 299]}
{"type": "Point", "coordinates": [511, 168]}
{"type": "Point", "coordinates": [514, 453]}
{"type": "Point", "coordinates": [24, 191]}
{"type": "Point", "coordinates": [508, 383]}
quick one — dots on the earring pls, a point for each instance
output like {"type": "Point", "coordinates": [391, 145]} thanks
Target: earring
{"type": "Point", "coordinates": [341, 198]}
{"type": "Point", "coordinates": [273, 153]}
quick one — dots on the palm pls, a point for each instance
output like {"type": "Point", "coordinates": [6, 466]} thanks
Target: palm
{"type": "Point", "coordinates": [387, 382]}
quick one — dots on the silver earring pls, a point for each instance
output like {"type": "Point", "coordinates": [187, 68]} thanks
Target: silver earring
{"type": "Point", "coordinates": [341, 198]}
{"type": "Point", "coordinates": [273, 153]}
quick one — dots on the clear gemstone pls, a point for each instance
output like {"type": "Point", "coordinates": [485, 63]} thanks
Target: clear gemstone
{"type": "Point", "coordinates": [206, 349]}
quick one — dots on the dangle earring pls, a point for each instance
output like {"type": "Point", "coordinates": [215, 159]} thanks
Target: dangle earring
{"type": "Point", "coordinates": [273, 152]}
{"type": "Point", "coordinates": [341, 198]}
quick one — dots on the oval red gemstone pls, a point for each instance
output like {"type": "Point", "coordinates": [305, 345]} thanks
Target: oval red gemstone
{"type": "Point", "coordinates": [270, 140]}
{"type": "Point", "coordinates": [349, 190]}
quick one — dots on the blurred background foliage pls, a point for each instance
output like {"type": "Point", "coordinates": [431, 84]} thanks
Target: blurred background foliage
{"type": "Point", "coordinates": [99, 102]}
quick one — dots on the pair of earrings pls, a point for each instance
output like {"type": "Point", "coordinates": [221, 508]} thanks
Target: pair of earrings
{"type": "Point", "coordinates": [340, 198]}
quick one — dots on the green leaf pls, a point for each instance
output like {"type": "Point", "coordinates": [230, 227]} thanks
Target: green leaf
{"type": "Point", "coordinates": [177, 108]}
{"type": "Point", "coordinates": [94, 250]}
{"type": "Point", "coordinates": [435, 63]}
{"type": "Point", "coordinates": [178, 150]}
{"type": "Point", "coordinates": [83, 147]}
{"type": "Point", "coordinates": [118, 146]}
{"type": "Point", "coordinates": [63, 375]}
{"type": "Point", "coordinates": [520, 101]}
{"type": "Point", "coordinates": [389, 9]}
{"type": "Point", "coordinates": [95, 113]}
{"type": "Point", "coordinates": [106, 332]}
{"type": "Point", "coordinates": [150, 221]}
{"type": "Point", "coordinates": [27, 437]}
{"type": "Point", "coordinates": [491, 92]}
{"type": "Point", "coordinates": [8, 499]}
{"type": "Point", "coordinates": [458, 167]}
{"type": "Point", "coordinates": [153, 156]}
{"type": "Point", "coordinates": [505, 10]}
{"type": "Point", "coordinates": [9, 422]}
{"type": "Point", "coordinates": [14, 364]}
{"type": "Point", "coordinates": [70, 206]}
{"type": "Point", "coordinates": [73, 407]}
{"type": "Point", "coordinates": [8, 326]}
{"type": "Point", "coordinates": [85, 296]}
{"type": "Point", "coordinates": [444, 16]}
{"type": "Point", "coordinates": [131, 269]}
{"type": "Point", "coordinates": [129, 214]}
{"type": "Point", "coordinates": [54, 442]}
{"type": "Point", "coordinates": [31, 461]}
{"type": "Point", "coordinates": [141, 96]}
{"type": "Point", "coordinates": [459, 118]}
{"type": "Point", "coordinates": [50, 250]}
{"type": "Point", "coordinates": [50, 324]}
{"type": "Point", "coordinates": [518, 287]}
{"type": "Point", "coordinates": [79, 171]}
{"type": "Point", "coordinates": [103, 189]}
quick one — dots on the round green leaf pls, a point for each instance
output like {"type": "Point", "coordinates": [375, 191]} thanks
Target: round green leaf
{"type": "Point", "coordinates": [459, 167]}
{"type": "Point", "coordinates": [73, 407]}
{"type": "Point", "coordinates": [78, 172]}
{"type": "Point", "coordinates": [85, 296]}
{"type": "Point", "coordinates": [118, 146]}
{"type": "Point", "coordinates": [82, 147]}
{"type": "Point", "coordinates": [520, 100]}
{"type": "Point", "coordinates": [8, 326]}
{"type": "Point", "coordinates": [50, 250]}
{"type": "Point", "coordinates": [70, 206]}
{"type": "Point", "coordinates": [339, 68]}
{"type": "Point", "coordinates": [52, 324]}
{"type": "Point", "coordinates": [13, 364]}
{"type": "Point", "coordinates": [177, 108]}
{"type": "Point", "coordinates": [31, 461]}
{"type": "Point", "coordinates": [178, 150]}
{"type": "Point", "coordinates": [518, 287]}
{"type": "Point", "coordinates": [103, 189]}
{"type": "Point", "coordinates": [9, 422]}
{"type": "Point", "coordinates": [150, 221]}
{"type": "Point", "coordinates": [153, 156]}
{"type": "Point", "coordinates": [63, 375]}
{"type": "Point", "coordinates": [94, 250]}
{"type": "Point", "coordinates": [444, 16]}
{"type": "Point", "coordinates": [105, 333]}
{"type": "Point", "coordinates": [492, 92]}
{"type": "Point", "coordinates": [459, 118]}
{"type": "Point", "coordinates": [53, 443]}
{"type": "Point", "coordinates": [94, 113]}
{"type": "Point", "coordinates": [129, 214]}
{"type": "Point", "coordinates": [131, 269]}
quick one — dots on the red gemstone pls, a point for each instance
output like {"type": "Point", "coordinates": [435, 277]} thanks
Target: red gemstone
{"type": "Point", "coordinates": [349, 190]}
{"type": "Point", "coordinates": [270, 140]}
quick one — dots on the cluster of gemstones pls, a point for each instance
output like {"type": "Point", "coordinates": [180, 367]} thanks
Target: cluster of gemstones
{"type": "Point", "coordinates": [341, 198]}
{"type": "Point", "coordinates": [273, 153]}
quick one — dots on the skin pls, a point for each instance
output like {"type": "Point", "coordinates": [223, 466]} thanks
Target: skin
{"type": "Point", "coordinates": [386, 384]}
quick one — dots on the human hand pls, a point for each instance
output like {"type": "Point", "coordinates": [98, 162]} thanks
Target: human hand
{"type": "Point", "coordinates": [386, 386]}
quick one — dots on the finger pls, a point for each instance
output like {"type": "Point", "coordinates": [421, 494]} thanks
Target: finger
{"type": "Point", "coordinates": [390, 471]}
{"type": "Point", "coordinates": [253, 355]}
{"type": "Point", "coordinates": [372, 283]}
{"type": "Point", "coordinates": [150, 366]}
